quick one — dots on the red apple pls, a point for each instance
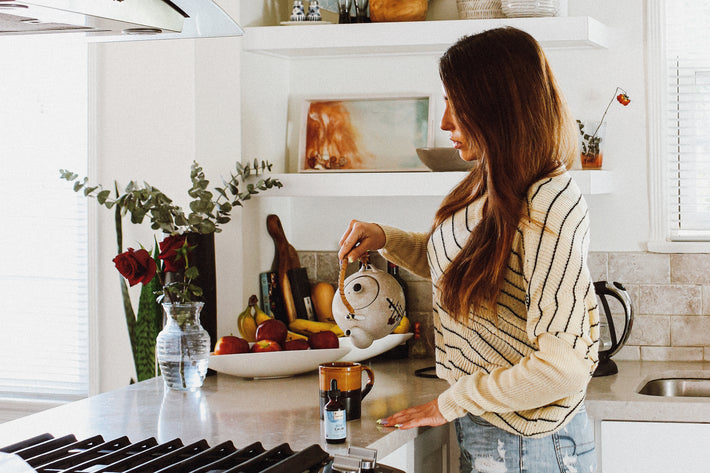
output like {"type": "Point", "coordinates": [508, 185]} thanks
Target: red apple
{"type": "Point", "coordinates": [297, 344]}
{"type": "Point", "coordinates": [272, 329]}
{"type": "Point", "coordinates": [231, 344]}
{"type": "Point", "coordinates": [264, 346]}
{"type": "Point", "coordinates": [324, 339]}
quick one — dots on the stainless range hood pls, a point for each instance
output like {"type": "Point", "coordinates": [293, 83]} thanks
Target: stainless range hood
{"type": "Point", "coordinates": [118, 20]}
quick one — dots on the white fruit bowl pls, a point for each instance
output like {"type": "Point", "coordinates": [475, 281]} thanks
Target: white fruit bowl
{"type": "Point", "coordinates": [378, 346]}
{"type": "Point", "coordinates": [275, 364]}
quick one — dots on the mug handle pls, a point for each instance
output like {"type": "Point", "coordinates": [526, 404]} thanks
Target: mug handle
{"type": "Point", "coordinates": [370, 381]}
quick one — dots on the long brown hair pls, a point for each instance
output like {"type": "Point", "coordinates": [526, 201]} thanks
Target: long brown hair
{"type": "Point", "coordinates": [503, 94]}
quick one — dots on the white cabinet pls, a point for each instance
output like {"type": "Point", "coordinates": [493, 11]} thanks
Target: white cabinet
{"type": "Point", "coordinates": [429, 452]}
{"type": "Point", "coordinates": [654, 447]}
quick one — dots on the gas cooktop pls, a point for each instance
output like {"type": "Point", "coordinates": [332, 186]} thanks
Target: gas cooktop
{"type": "Point", "coordinates": [47, 454]}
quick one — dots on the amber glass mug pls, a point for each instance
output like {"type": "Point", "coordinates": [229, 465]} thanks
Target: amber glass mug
{"type": "Point", "coordinates": [349, 378]}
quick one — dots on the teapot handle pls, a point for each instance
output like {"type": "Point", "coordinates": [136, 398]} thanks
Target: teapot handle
{"type": "Point", "coordinates": [617, 291]}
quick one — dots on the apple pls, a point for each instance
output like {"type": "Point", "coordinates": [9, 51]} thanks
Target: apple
{"type": "Point", "coordinates": [230, 344]}
{"type": "Point", "coordinates": [272, 329]}
{"type": "Point", "coordinates": [265, 345]}
{"type": "Point", "coordinates": [296, 344]}
{"type": "Point", "coordinates": [324, 339]}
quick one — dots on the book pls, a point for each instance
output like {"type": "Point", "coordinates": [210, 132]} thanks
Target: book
{"type": "Point", "coordinates": [271, 300]}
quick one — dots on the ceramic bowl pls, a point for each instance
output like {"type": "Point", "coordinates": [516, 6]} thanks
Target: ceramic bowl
{"type": "Point", "coordinates": [276, 364]}
{"type": "Point", "coordinates": [443, 159]}
{"type": "Point", "coordinates": [378, 347]}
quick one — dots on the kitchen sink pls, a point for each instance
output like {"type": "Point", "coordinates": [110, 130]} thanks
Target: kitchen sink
{"type": "Point", "coordinates": [673, 387]}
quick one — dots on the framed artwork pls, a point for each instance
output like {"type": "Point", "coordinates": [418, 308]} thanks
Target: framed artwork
{"type": "Point", "coordinates": [365, 133]}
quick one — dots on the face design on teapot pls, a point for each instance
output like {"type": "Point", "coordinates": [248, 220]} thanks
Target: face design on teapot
{"type": "Point", "coordinates": [377, 300]}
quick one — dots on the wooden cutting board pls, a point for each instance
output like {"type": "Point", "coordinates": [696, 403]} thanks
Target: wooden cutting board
{"type": "Point", "coordinates": [285, 259]}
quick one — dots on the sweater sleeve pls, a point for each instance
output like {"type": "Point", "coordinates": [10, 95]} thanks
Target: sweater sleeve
{"type": "Point", "coordinates": [406, 249]}
{"type": "Point", "coordinates": [561, 309]}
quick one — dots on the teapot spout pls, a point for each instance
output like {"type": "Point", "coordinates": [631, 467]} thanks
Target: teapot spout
{"type": "Point", "coordinates": [360, 338]}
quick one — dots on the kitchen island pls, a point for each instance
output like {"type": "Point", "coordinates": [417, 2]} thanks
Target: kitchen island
{"type": "Point", "coordinates": [272, 411]}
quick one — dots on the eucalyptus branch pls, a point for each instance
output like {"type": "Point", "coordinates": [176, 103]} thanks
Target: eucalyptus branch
{"type": "Point", "coordinates": [206, 214]}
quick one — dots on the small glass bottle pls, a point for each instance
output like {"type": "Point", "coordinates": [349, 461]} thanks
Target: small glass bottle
{"type": "Point", "coordinates": [336, 429]}
{"type": "Point", "coordinates": [417, 347]}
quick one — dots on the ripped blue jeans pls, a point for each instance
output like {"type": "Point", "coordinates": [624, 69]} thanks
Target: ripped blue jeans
{"type": "Point", "coordinates": [488, 449]}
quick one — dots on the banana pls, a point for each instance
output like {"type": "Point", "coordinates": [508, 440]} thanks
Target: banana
{"type": "Point", "coordinates": [247, 325]}
{"type": "Point", "coordinates": [403, 327]}
{"type": "Point", "coordinates": [294, 336]}
{"type": "Point", "coordinates": [250, 318]}
{"type": "Point", "coordinates": [308, 327]}
{"type": "Point", "coordinates": [259, 315]}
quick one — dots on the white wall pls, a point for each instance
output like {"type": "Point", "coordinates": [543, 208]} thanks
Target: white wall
{"type": "Point", "coordinates": [159, 105]}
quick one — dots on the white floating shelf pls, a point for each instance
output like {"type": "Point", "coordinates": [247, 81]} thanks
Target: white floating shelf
{"type": "Point", "coordinates": [321, 40]}
{"type": "Point", "coordinates": [402, 184]}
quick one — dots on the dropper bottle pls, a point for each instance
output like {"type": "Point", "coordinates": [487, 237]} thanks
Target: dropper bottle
{"type": "Point", "coordinates": [336, 429]}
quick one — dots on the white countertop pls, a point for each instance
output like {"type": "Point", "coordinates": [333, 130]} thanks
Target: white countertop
{"type": "Point", "coordinates": [616, 397]}
{"type": "Point", "coordinates": [272, 411]}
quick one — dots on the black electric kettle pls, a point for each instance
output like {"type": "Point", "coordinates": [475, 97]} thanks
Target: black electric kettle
{"type": "Point", "coordinates": [609, 342]}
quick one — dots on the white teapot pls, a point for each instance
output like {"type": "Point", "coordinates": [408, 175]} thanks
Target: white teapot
{"type": "Point", "coordinates": [377, 301]}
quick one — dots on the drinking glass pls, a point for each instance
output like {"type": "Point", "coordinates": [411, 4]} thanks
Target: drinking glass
{"type": "Point", "coordinates": [344, 10]}
{"type": "Point", "coordinates": [361, 10]}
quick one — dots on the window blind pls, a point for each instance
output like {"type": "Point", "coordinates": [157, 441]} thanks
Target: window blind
{"type": "Point", "coordinates": [686, 119]}
{"type": "Point", "coordinates": [43, 282]}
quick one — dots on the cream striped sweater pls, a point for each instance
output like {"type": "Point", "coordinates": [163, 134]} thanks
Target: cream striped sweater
{"type": "Point", "coordinates": [527, 369]}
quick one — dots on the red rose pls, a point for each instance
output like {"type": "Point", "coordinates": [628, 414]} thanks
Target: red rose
{"type": "Point", "coordinates": [169, 254]}
{"type": "Point", "coordinates": [136, 266]}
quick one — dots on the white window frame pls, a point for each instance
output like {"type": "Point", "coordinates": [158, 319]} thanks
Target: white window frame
{"type": "Point", "coordinates": [660, 241]}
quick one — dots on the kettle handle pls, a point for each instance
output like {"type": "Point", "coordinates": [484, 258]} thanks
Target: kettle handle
{"type": "Point", "coordinates": [617, 291]}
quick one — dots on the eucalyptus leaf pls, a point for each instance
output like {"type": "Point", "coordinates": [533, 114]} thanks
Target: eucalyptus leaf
{"type": "Point", "coordinates": [206, 227]}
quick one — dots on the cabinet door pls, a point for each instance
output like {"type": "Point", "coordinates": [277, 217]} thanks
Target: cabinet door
{"type": "Point", "coordinates": [655, 447]}
{"type": "Point", "coordinates": [428, 453]}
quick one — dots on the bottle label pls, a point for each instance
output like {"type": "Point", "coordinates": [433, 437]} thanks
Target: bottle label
{"type": "Point", "coordinates": [335, 426]}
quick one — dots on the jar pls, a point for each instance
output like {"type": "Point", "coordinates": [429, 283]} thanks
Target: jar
{"type": "Point", "coordinates": [398, 10]}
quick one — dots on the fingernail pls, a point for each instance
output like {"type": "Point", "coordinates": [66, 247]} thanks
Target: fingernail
{"type": "Point", "coordinates": [397, 426]}
{"type": "Point", "coordinates": [350, 259]}
{"type": "Point", "coordinates": [381, 422]}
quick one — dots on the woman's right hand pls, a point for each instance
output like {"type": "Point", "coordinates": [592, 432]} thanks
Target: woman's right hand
{"type": "Point", "coordinates": [359, 238]}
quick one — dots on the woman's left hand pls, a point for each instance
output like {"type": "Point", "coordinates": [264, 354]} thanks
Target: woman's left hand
{"type": "Point", "coordinates": [417, 416]}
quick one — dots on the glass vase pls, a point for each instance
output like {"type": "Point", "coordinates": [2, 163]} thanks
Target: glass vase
{"type": "Point", "coordinates": [591, 143]}
{"type": "Point", "coordinates": [183, 347]}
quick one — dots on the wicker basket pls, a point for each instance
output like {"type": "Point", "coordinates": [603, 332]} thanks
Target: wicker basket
{"type": "Point", "coordinates": [470, 9]}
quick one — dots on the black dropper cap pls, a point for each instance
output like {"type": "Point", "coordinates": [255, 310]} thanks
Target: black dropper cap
{"type": "Point", "coordinates": [334, 392]}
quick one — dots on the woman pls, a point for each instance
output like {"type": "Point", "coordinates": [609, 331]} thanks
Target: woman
{"type": "Point", "coordinates": [515, 316]}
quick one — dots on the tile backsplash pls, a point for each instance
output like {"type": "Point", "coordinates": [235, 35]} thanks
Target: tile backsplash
{"type": "Point", "coordinates": [670, 294]}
